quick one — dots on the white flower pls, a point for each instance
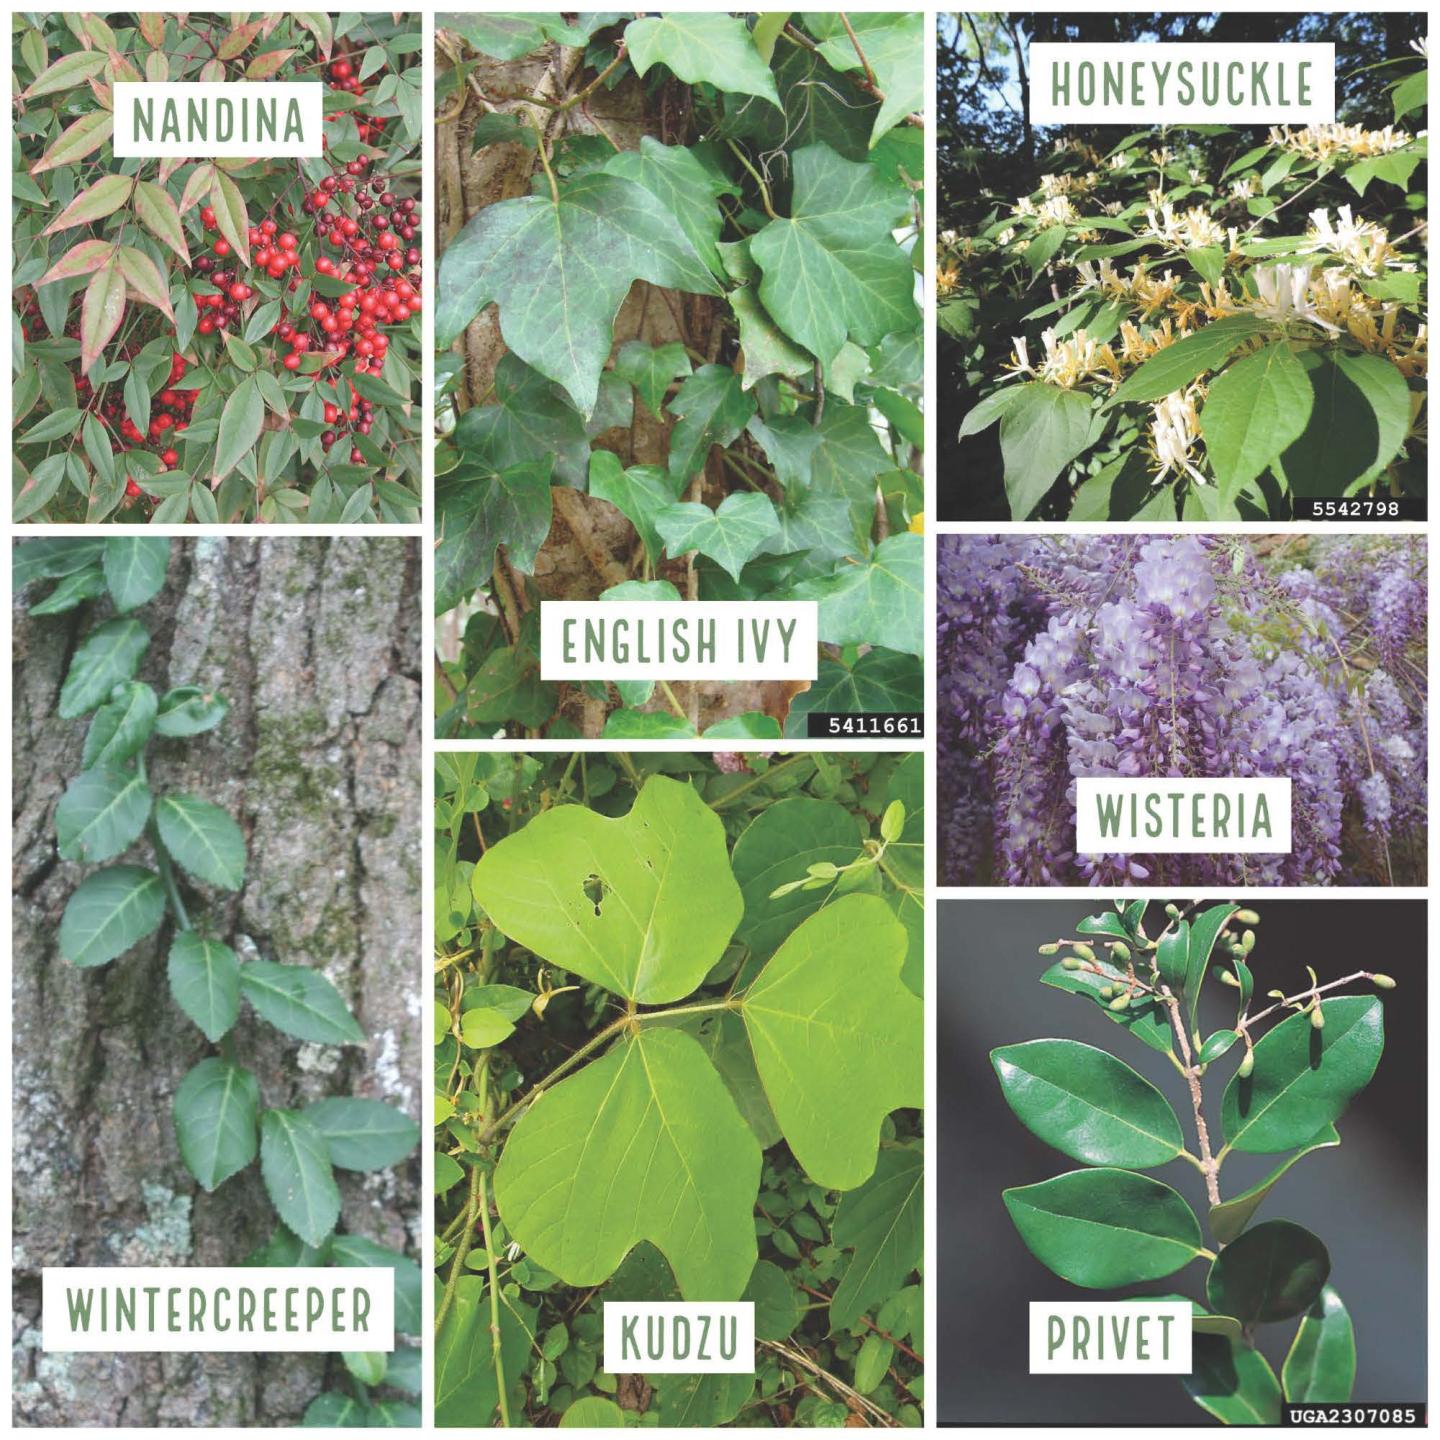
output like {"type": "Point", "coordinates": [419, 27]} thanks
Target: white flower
{"type": "Point", "coordinates": [1421, 46]}
{"type": "Point", "coordinates": [1173, 430]}
{"type": "Point", "coordinates": [1283, 295]}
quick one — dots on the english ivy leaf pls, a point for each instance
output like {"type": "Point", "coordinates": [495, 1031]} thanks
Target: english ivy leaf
{"type": "Point", "coordinates": [109, 655]}
{"type": "Point", "coordinates": [530, 420]}
{"type": "Point", "coordinates": [643, 904]}
{"type": "Point", "coordinates": [205, 981]}
{"type": "Point", "coordinates": [1147, 1020]}
{"type": "Point", "coordinates": [189, 710]}
{"type": "Point", "coordinates": [1269, 1273]}
{"type": "Point", "coordinates": [1255, 409]}
{"type": "Point", "coordinates": [643, 1144]}
{"type": "Point", "coordinates": [1042, 430]}
{"type": "Point", "coordinates": [1304, 1078]}
{"type": "Point", "coordinates": [849, 460]}
{"type": "Point", "coordinates": [203, 840]}
{"type": "Point", "coordinates": [837, 1037]}
{"type": "Point", "coordinates": [646, 725]}
{"type": "Point", "coordinates": [820, 103]}
{"type": "Point", "coordinates": [730, 536]}
{"type": "Point", "coordinates": [751, 725]}
{"type": "Point", "coordinates": [299, 1001]}
{"type": "Point", "coordinates": [650, 369]}
{"type": "Point", "coordinates": [135, 569]}
{"type": "Point", "coordinates": [688, 183]}
{"type": "Point", "coordinates": [109, 912]}
{"type": "Point", "coordinates": [714, 49]}
{"type": "Point", "coordinates": [1231, 1216]}
{"type": "Point", "coordinates": [560, 270]}
{"type": "Point", "coordinates": [507, 687]}
{"type": "Point", "coordinates": [466, 1392]}
{"type": "Point", "coordinates": [790, 443]}
{"type": "Point", "coordinates": [894, 46]}
{"type": "Point", "coordinates": [833, 271]}
{"type": "Point", "coordinates": [503, 36]}
{"type": "Point", "coordinates": [215, 1110]}
{"type": "Point", "coordinates": [1174, 367]}
{"type": "Point", "coordinates": [819, 531]}
{"type": "Point", "coordinates": [764, 346]}
{"type": "Point", "coordinates": [876, 602]}
{"type": "Point", "coordinates": [356, 1251]}
{"type": "Point", "coordinates": [74, 590]}
{"type": "Point", "coordinates": [1087, 1104]}
{"type": "Point", "coordinates": [363, 1134]}
{"type": "Point", "coordinates": [1320, 1368]}
{"type": "Point", "coordinates": [713, 408]}
{"type": "Point", "coordinates": [1233, 1382]}
{"type": "Point", "coordinates": [879, 681]}
{"type": "Point", "coordinates": [295, 1165]}
{"type": "Point", "coordinates": [1102, 1228]}
{"type": "Point", "coordinates": [883, 1223]}
{"type": "Point", "coordinates": [121, 727]}
{"type": "Point", "coordinates": [639, 494]}
{"type": "Point", "coordinates": [101, 813]}
{"type": "Point", "coordinates": [480, 508]}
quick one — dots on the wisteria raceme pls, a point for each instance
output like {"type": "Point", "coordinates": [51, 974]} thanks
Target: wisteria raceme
{"type": "Point", "coordinates": [1070, 656]}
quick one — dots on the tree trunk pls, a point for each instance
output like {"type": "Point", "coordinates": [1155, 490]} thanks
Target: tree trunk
{"type": "Point", "coordinates": [316, 645]}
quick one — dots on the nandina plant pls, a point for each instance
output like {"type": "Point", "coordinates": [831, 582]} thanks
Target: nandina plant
{"type": "Point", "coordinates": [217, 339]}
{"type": "Point", "coordinates": [161, 855]}
{"type": "Point", "coordinates": [1302, 1058]}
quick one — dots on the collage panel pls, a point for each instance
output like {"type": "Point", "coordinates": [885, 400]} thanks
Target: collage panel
{"type": "Point", "coordinates": [216, 1051]}
{"type": "Point", "coordinates": [217, 268]}
{"type": "Point", "coordinates": [679, 366]}
{"type": "Point", "coordinates": [679, 1064]}
{"type": "Point", "coordinates": [1084, 1048]}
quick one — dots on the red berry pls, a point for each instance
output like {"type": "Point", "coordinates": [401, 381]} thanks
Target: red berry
{"type": "Point", "coordinates": [169, 458]}
{"type": "Point", "coordinates": [292, 360]}
{"type": "Point", "coordinates": [222, 247]}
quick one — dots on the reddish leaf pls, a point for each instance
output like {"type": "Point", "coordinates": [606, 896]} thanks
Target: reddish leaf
{"type": "Point", "coordinates": [262, 67]}
{"type": "Point", "coordinates": [237, 41]}
{"type": "Point", "coordinates": [80, 259]}
{"type": "Point", "coordinates": [103, 198]}
{"type": "Point", "coordinates": [88, 133]}
{"type": "Point", "coordinates": [231, 215]}
{"type": "Point", "coordinates": [121, 69]}
{"type": "Point", "coordinates": [202, 177]}
{"type": "Point", "coordinates": [102, 311]}
{"type": "Point", "coordinates": [152, 27]}
{"type": "Point", "coordinates": [145, 282]}
{"type": "Point", "coordinates": [157, 213]}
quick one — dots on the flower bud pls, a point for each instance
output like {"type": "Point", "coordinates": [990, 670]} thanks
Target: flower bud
{"type": "Point", "coordinates": [1247, 942]}
{"type": "Point", "coordinates": [1083, 951]}
{"type": "Point", "coordinates": [1247, 917]}
{"type": "Point", "coordinates": [1106, 991]}
{"type": "Point", "coordinates": [822, 870]}
{"type": "Point", "coordinates": [1173, 911]}
{"type": "Point", "coordinates": [1247, 1064]}
{"type": "Point", "coordinates": [1382, 982]}
{"type": "Point", "coordinates": [1226, 978]}
{"type": "Point", "coordinates": [1120, 1002]}
{"type": "Point", "coordinates": [892, 822]}
{"type": "Point", "coordinates": [1070, 963]}
{"type": "Point", "coordinates": [1120, 951]}
{"type": "Point", "coordinates": [1052, 949]}
{"type": "Point", "coordinates": [1317, 1016]}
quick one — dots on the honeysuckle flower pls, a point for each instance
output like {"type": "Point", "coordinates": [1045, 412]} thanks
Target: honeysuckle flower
{"type": "Point", "coordinates": [1362, 244]}
{"type": "Point", "coordinates": [1162, 156]}
{"type": "Point", "coordinates": [1283, 295]}
{"type": "Point", "coordinates": [1420, 46]}
{"type": "Point", "coordinates": [1243, 189]}
{"type": "Point", "coordinates": [1067, 361]}
{"type": "Point", "coordinates": [1174, 429]}
{"type": "Point", "coordinates": [1319, 142]}
{"type": "Point", "coordinates": [1194, 227]}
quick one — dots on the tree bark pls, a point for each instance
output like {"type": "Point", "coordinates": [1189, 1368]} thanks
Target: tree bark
{"type": "Point", "coordinates": [316, 644]}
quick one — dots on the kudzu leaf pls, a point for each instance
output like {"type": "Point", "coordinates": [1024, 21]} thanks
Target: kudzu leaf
{"type": "Point", "coordinates": [644, 904]}
{"type": "Point", "coordinates": [1232, 1382]}
{"type": "Point", "coordinates": [202, 839]}
{"type": "Point", "coordinates": [205, 981]}
{"type": "Point", "coordinates": [299, 1001]}
{"type": "Point", "coordinates": [363, 1134]}
{"type": "Point", "coordinates": [1304, 1078]}
{"type": "Point", "coordinates": [650, 369]}
{"type": "Point", "coordinates": [110, 654]}
{"type": "Point", "coordinates": [1231, 1216]}
{"type": "Point", "coordinates": [776, 1302]}
{"type": "Point", "coordinates": [713, 407]}
{"type": "Point", "coordinates": [466, 1389]}
{"type": "Point", "coordinates": [448, 1173]}
{"type": "Point", "coordinates": [837, 1037]}
{"type": "Point", "coordinates": [1102, 1228]}
{"type": "Point", "coordinates": [1175, 366]}
{"type": "Point", "coordinates": [215, 1110]}
{"type": "Point", "coordinates": [730, 535]}
{"type": "Point", "coordinates": [1254, 410]}
{"type": "Point", "coordinates": [722, 1037]}
{"type": "Point", "coordinates": [101, 813]}
{"type": "Point", "coordinates": [714, 49]}
{"type": "Point", "coordinates": [1320, 1368]}
{"type": "Point", "coordinates": [109, 912]}
{"type": "Point", "coordinates": [135, 569]}
{"type": "Point", "coordinates": [72, 591]}
{"type": "Point", "coordinates": [1087, 1104]}
{"type": "Point", "coordinates": [878, 601]}
{"type": "Point", "coordinates": [358, 1252]}
{"type": "Point", "coordinates": [295, 1165]}
{"type": "Point", "coordinates": [480, 508]}
{"type": "Point", "coordinates": [643, 1144]}
{"type": "Point", "coordinates": [189, 710]}
{"type": "Point", "coordinates": [1271, 1272]}
{"type": "Point", "coordinates": [883, 1223]}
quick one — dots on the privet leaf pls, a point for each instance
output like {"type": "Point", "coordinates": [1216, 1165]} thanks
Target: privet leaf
{"type": "Point", "coordinates": [1233, 1382]}
{"type": "Point", "coordinates": [295, 1165]}
{"type": "Point", "coordinates": [1147, 1020]}
{"type": "Point", "coordinates": [1230, 1217]}
{"type": "Point", "coordinates": [203, 840]}
{"type": "Point", "coordinates": [109, 912]}
{"type": "Point", "coordinates": [205, 981]}
{"type": "Point", "coordinates": [299, 1001]}
{"type": "Point", "coordinates": [215, 1110]}
{"type": "Point", "coordinates": [1320, 1368]}
{"type": "Point", "coordinates": [1272, 1272]}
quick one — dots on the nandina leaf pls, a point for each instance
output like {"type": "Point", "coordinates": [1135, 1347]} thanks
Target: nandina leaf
{"type": "Point", "coordinates": [713, 49]}
{"type": "Point", "coordinates": [230, 213]}
{"type": "Point", "coordinates": [102, 310]}
{"type": "Point", "coordinates": [101, 813]}
{"type": "Point", "coordinates": [1320, 1367]}
{"type": "Point", "coordinates": [66, 73]}
{"type": "Point", "coordinates": [643, 1144]}
{"type": "Point", "coordinates": [109, 912]}
{"type": "Point", "coordinates": [158, 213]}
{"type": "Point", "coordinates": [479, 508]}
{"type": "Point", "coordinates": [103, 198]}
{"type": "Point", "coordinates": [730, 535]}
{"type": "Point", "coordinates": [239, 39]}
{"type": "Point", "coordinates": [81, 259]}
{"type": "Point", "coordinates": [241, 422]}
{"type": "Point", "coordinates": [202, 839]}
{"type": "Point", "coordinates": [295, 1165]}
{"type": "Point", "coordinates": [111, 653]}
{"type": "Point", "coordinates": [1269, 1273]}
{"type": "Point", "coordinates": [1231, 1216]}
{"type": "Point", "coordinates": [215, 1111]}
{"type": "Point", "coordinates": [205, 981]}
{"type": "Point", "coordinates": [883, 1222]}
{"type": "Point", "coordinates": [88, 133]}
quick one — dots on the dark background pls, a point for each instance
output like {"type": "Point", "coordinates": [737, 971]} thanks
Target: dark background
{"type": "Point", "coordinates": [1366, 1199]}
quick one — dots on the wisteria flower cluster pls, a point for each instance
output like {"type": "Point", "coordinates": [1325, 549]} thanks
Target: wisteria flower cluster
{"type": "Point", "coordinates": [1070, 656]}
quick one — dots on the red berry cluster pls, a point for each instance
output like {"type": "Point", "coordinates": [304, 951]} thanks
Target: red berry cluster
{"type": "Point", "coordinates": [344, 78]}
{"type": "Point", "coordinates": [169, 417]}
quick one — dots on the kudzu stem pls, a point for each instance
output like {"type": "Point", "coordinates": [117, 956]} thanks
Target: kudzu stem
{"type": "Point", "coordinates": [495, 1351]}
{"type": "Point", "coordinates": [462, 1249]}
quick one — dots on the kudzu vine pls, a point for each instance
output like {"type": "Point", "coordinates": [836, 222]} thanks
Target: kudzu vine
{"type": "Point", "coordinates": [672, 1065]}
{"type": "Point", "coordinates": [1302, 1058]}
{"type": "Point", "coordinates": [114, 806]}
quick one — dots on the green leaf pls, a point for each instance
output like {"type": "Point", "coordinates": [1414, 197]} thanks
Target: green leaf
{"type": "Point", "coordinates": [1041, 250]}
{"type": "Point", "coordinates": [1304, 1078]}
{"type": "Point", "coordinates": [682, 1402]}
{"type": "Point", "coordinates": [159, 214]}
{"type": "Point", "coordinates": [531, 419]}
{"type": "Point", "coordinates": [833, 271]}
{"type": "Point", "coordinates": [101, 813]}
{"type": "Point", "coordinates": [894, 44]}
{"type": "Point", "coordinates": [135, 569]}
{"type": "Point", "coordinates": [1254, 410]}
{"type": "Point", "coordinates": [876, 602]}
{"type": "Point", "coordinates": [299, 1001]}
{"type": "Point", "coordinates": [205, 981]}
{"type": "Point", "coordinates": [101, 311]}
{"type": "Point", "coordinates": [1102, 1228]}
{"type": "Point", "coordinates": [109, 912]}
{"type": "Point", "coordinates": [643, 1144]}
{"type": "Point", "coordinates": [643, 904]}
{"type": "Point", "coordinates": [730, 535]}
{"type": "Point", "coordinates": [295, 1164]}
{"type": "Point", "coordinates": [1396, 168]}
{"type": "Point", "coordinates": [872, 1362]}
{"type": "Point", "coordinates": [202, 839]}
{"type": "Point", "coordinates": [189, 710]}
{"type": "Point", "coordinates": [883, 1223]}
{"type": "Point", "coordinates": [560, 272]}
{"type": "Point", "coordinates": [650, 369]}
{"type": "Point", "coordinates": [1087, 1104]}
{"type": "Point", "coordinates": [1177, 365]}
{"type": "Point", "coordinates": [53, 559]}
{"type": "Point", "coordinates": [1231, 1216]}
{"type": "Point", "coordinates": [837, 1037]}
{"type": "Point", "coordinates": [363, 1134]}
{"type": "Point", "coordinates": [466, 1392]}
{"type": "Point", "coordinates": [593, 1412]}
{"type": "Point", "coordinates": [356, 1252]}
{"type": "Point", "coordinates": [73, 591]}
{"type": "Point", "coordinates": [215, 1110]}
{"type": "Point", "coordinates": [241, 422]}
{"type": "Point", "coordinates": [481, 1028]}
{"type": "Point", "coordinates": [1232, 1382]}
{"type": "Point", "coordinates": [1411, 93]}
{"type": "Point", "coordinates": [480, 508]}
{"type": "Point", "coordinates": [120, 728]}
{"type": "Point", "coordinates": [330, 1410]}
{"type": "Point", "coordinates": [1205, 930]}
{"type": "Point", "coordinates": [1269, 1273]}
{"type": "Point", "coordinates": [765, 348]}
{"type": "Point", "coordinates": [1320, 1368]}
{"type": "Point", "coordinates": [502, 36]}
{"type": "Point", "coordinates": [639, 494]}
{"type": "Point", "coordinates": [1172, 957]}
{"type": "Point", "coordinates": [777, 1304]}
{"type": "Point", "coordinates": [713, 49]}
{"type": "Point", "coordinates": [109, 655]}
{"type": "Point", "coordinates": [713, 407]}
{"type": "Point", "coordinates": [688, 183]}
{"type": "Point", "coordinates": [879, 680]}
{"type": "Point", "coordinates": [1042, 429]}
{"type": "Point", "coordinates": [1146, 1019]}
{"type": "Point", "coordinates": [69, 72]}
{"type": "Point", "coordinates": [722, 1036]}
{"type": "Point", "coordinates": [1216, 1045]}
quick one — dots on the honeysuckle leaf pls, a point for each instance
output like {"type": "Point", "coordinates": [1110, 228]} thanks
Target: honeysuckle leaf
{"type": "Point", "coordinates": [110, 654]}
{"type": "Point", "coordinates": [1087, 1104]}
{"type": "Point", "coordinates": [205, 981]}
{"type": "Point", "coordinates": [1304, 1078]}
{"type": "Point", "coordinates": [363, 1134]}
{"type": "Point", "coordinates": [1320, 1366]}
{"type": "Point", "coordinates": [714, 408]}
{"type": "Point", "coordinates": [1102, 1228]}
{"type": "Point", "coordinates": [730, 535]}
{"type": "Point", "coordinates": [202, 839]}
{"type": "Point", "coordinates": [1231, 1216]}
{"type": "Point", "coordinates": [135, 568]}
{"type": "Point", "coordinates": [1042, 429]}
{"type": "Point", "coordinates": [479, 508]}
{"type": "Point", "coordinates": [1271, 1272]}
{"type": "Point", "coordinates": [876, 601]}
{"type": "Point", "coordinates": [295, 1165]}
{"type": "Point", "coordinates": [710, 48]}
{"type": "Point", "coordinates": [215, 1120]}
{"type": "Point", "coordinates": [299, 1001]}
{"type": "Point", "coordinates": [883, 1223]}
{"type": "Point", "coordinates": [1255, 409]}
{"type": "Point", "coordinates": [643, 1144]}
{"type": "Point", "coordinates": [101, 813]}
{"type": "Point", "coordinates": [109, 912]}
{"type": "Point", "coordinates": [1232, 1381]}
{"type": "Point", "coordinates": [1174, 367]}
{"type": "Point", "coordinates": [644, 904]}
